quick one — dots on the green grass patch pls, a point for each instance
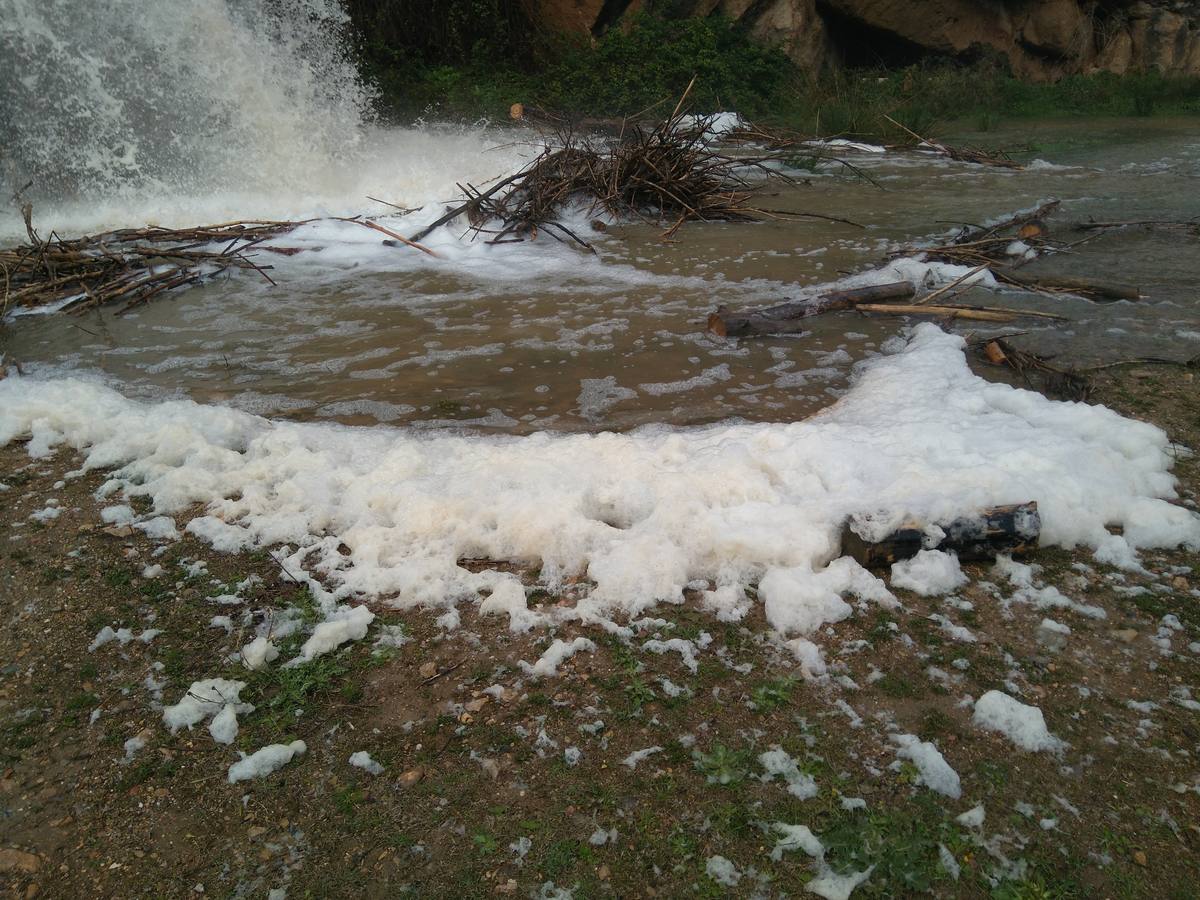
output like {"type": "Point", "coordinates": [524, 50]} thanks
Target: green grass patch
{"type": "Point", "coordinates": [771, 695]}
{"type": "Point", "coordinates": [651, 59]}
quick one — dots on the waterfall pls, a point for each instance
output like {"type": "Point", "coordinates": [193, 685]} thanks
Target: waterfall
{"type": "Point", "coordinates": [181, 111]}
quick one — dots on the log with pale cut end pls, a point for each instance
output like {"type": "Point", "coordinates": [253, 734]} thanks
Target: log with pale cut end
{"type": "Point", "coordinates": [787, 318]}
{"type": "Point", "coordinates": [1001, 529]}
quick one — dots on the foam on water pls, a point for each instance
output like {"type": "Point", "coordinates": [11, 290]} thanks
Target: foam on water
{"type": "Point", "coordinates": [642, 514]}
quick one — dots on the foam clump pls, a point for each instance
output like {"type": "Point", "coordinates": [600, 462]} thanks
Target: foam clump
{"type": "Point", "coordinates": [213, 698]}
{"type": "Point", "coordinates": [935, 773]}
{"type": "Point", "coordinates": [265, 761]}
{"type": "Point", "coordinates": [362, 760]}
{"type": "Point", "coordinates": [343, 625]}
{"type": "Point", "coordinates": [1024, 725]}
{"type": "Point", "coordinates": [930, 573]}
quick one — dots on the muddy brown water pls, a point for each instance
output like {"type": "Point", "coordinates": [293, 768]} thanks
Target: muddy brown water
{"type": "Point", "coordinates": [522, 338]}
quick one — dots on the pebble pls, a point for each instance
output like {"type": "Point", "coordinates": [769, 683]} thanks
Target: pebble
{"type": "Point", "coordinates": [428, 670]}
{"type": "Point", "coordinates": [1139, 857]}
{"type": "Point", "coordinates": [1125, 635]}
{"type": "Point", "coordinates": [411, 777]}
{"type": "Point", "coordinates": [1179, 583]}
{"type": "Point", "coordinates": [13, 860]}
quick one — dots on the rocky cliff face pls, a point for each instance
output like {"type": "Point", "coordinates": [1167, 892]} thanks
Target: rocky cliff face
{"type": "Point", "coordinates": [1042, 39]}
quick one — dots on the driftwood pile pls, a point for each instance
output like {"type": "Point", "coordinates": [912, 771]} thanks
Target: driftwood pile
{"type": "Point", "coordinates": [1001, 249]}
{"type": "Point", "coordinates": [988, 247]}
{"type": "Point", "coordinates": [668, 174]}
{"type": "Point", "coordinates": [127, 267]}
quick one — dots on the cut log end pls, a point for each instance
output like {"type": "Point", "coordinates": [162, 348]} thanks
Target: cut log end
{"type": "Point", "coordinates": [716, 322]}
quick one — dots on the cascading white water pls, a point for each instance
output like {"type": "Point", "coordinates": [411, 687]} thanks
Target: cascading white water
{"type": "Point", "coordinates": [180, 111]}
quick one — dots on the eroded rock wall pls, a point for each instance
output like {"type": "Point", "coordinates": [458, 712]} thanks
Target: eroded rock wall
{"type": "Point", "coordinates": [1042, 39]}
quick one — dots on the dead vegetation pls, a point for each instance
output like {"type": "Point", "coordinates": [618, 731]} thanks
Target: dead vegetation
{"type": "Point", "coordinates": [128, 267]}
{"type": "Point", "coordinates": [1000, 249]}
{"type": "Point", "coordinates": [668, 174]}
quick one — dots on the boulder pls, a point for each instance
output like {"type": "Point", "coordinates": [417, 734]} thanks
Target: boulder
{"type": "Point", "coordinates": [1056, 27]}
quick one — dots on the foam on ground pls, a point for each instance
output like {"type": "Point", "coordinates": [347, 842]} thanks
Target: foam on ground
{"type": "Point", "coordinates": [642, 514]}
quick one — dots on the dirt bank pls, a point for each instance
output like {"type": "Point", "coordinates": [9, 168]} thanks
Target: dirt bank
{"type": "Point", "coordinates": [496, 782]}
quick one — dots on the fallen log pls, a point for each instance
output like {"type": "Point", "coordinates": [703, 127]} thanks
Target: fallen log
{"type": "Point", "coordinates": [787, 318]}
{"type": "Point", "coordinates": [1001, 529]}
{"type": "Point", "coordinates": [1087, 287]}
{"type": "Point", "coordinates": [1192, 225]}
{"type": "Point", "coordinates": [951, 312]}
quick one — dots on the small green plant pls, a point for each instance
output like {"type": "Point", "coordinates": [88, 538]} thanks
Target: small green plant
{"type": "Point", "coordinates": [722, 765]}
{"type": "Point", "coordinates": [896, 687]}
{"type": "Point", "coordinates": [562, 855]}
{"type": "Point", "coordinates": [903, 845]}
{"type": "Point", "coordinates": [285, 692]}
{"type": "Point", "coordinates": [484, 843]}
{"type": "Point", "coordinates": [347, 800]}
{"type": "Point", "coordinates": [639, 694]}
{"type": "Point", "coordinates": [771, 695]}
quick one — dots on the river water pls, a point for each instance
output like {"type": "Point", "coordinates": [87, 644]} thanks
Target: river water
{"type": "Point", "coordinates": [542, 336]}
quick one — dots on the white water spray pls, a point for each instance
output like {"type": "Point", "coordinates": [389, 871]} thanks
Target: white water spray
{"type": "Point", "coordinates": [182, 111]}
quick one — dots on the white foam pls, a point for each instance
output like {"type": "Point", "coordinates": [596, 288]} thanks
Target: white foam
{"type": "Point", "coordinates": [641, 514]}
{"type": "Point", "coordinates": [929, 573]}
{"type": "Point", "coordinates": [1022, 724]}
{"type": "Point", "coordinates": [264, 761]}
{"type": "Point", "coordinates": [935, 773]}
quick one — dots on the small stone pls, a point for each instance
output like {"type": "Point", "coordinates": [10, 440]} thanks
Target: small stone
{"type": "Point", "coordinates": [1125, 635]}
{"type": "Point", "coordinates": [118, 531]}
{"type": "Point", "coordinates": [255, 831]}
{"type": "Point", "coordinates": [1179, 583]}
{"type": "Point", "coordinates": [602, 873]}
{"type": "Point", "coordinates": [411, 777]}
{"type": "Point", "coordinates": [13, 860]}
{"type": "Point", "coordinates": [428, 670]}
{"type": "Point", "coordinates": [475, 705]}
{"type": "Point", "coordinates": [1139, 857]}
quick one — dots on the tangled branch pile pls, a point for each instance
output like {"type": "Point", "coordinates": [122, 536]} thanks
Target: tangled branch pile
{"type": "Point", "coordinates": [990, 245]}
{"type": "Point", "coordinates": [668, 174]}
{"type": "Point", "coordinates": [130, 266]}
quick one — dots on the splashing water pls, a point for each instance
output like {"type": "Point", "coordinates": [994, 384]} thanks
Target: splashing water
{"type": "Point", "coordinates": [182, 111]}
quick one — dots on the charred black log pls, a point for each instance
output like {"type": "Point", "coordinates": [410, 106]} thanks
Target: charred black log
{"type": "Point", "coordinates": [1002, 529]}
